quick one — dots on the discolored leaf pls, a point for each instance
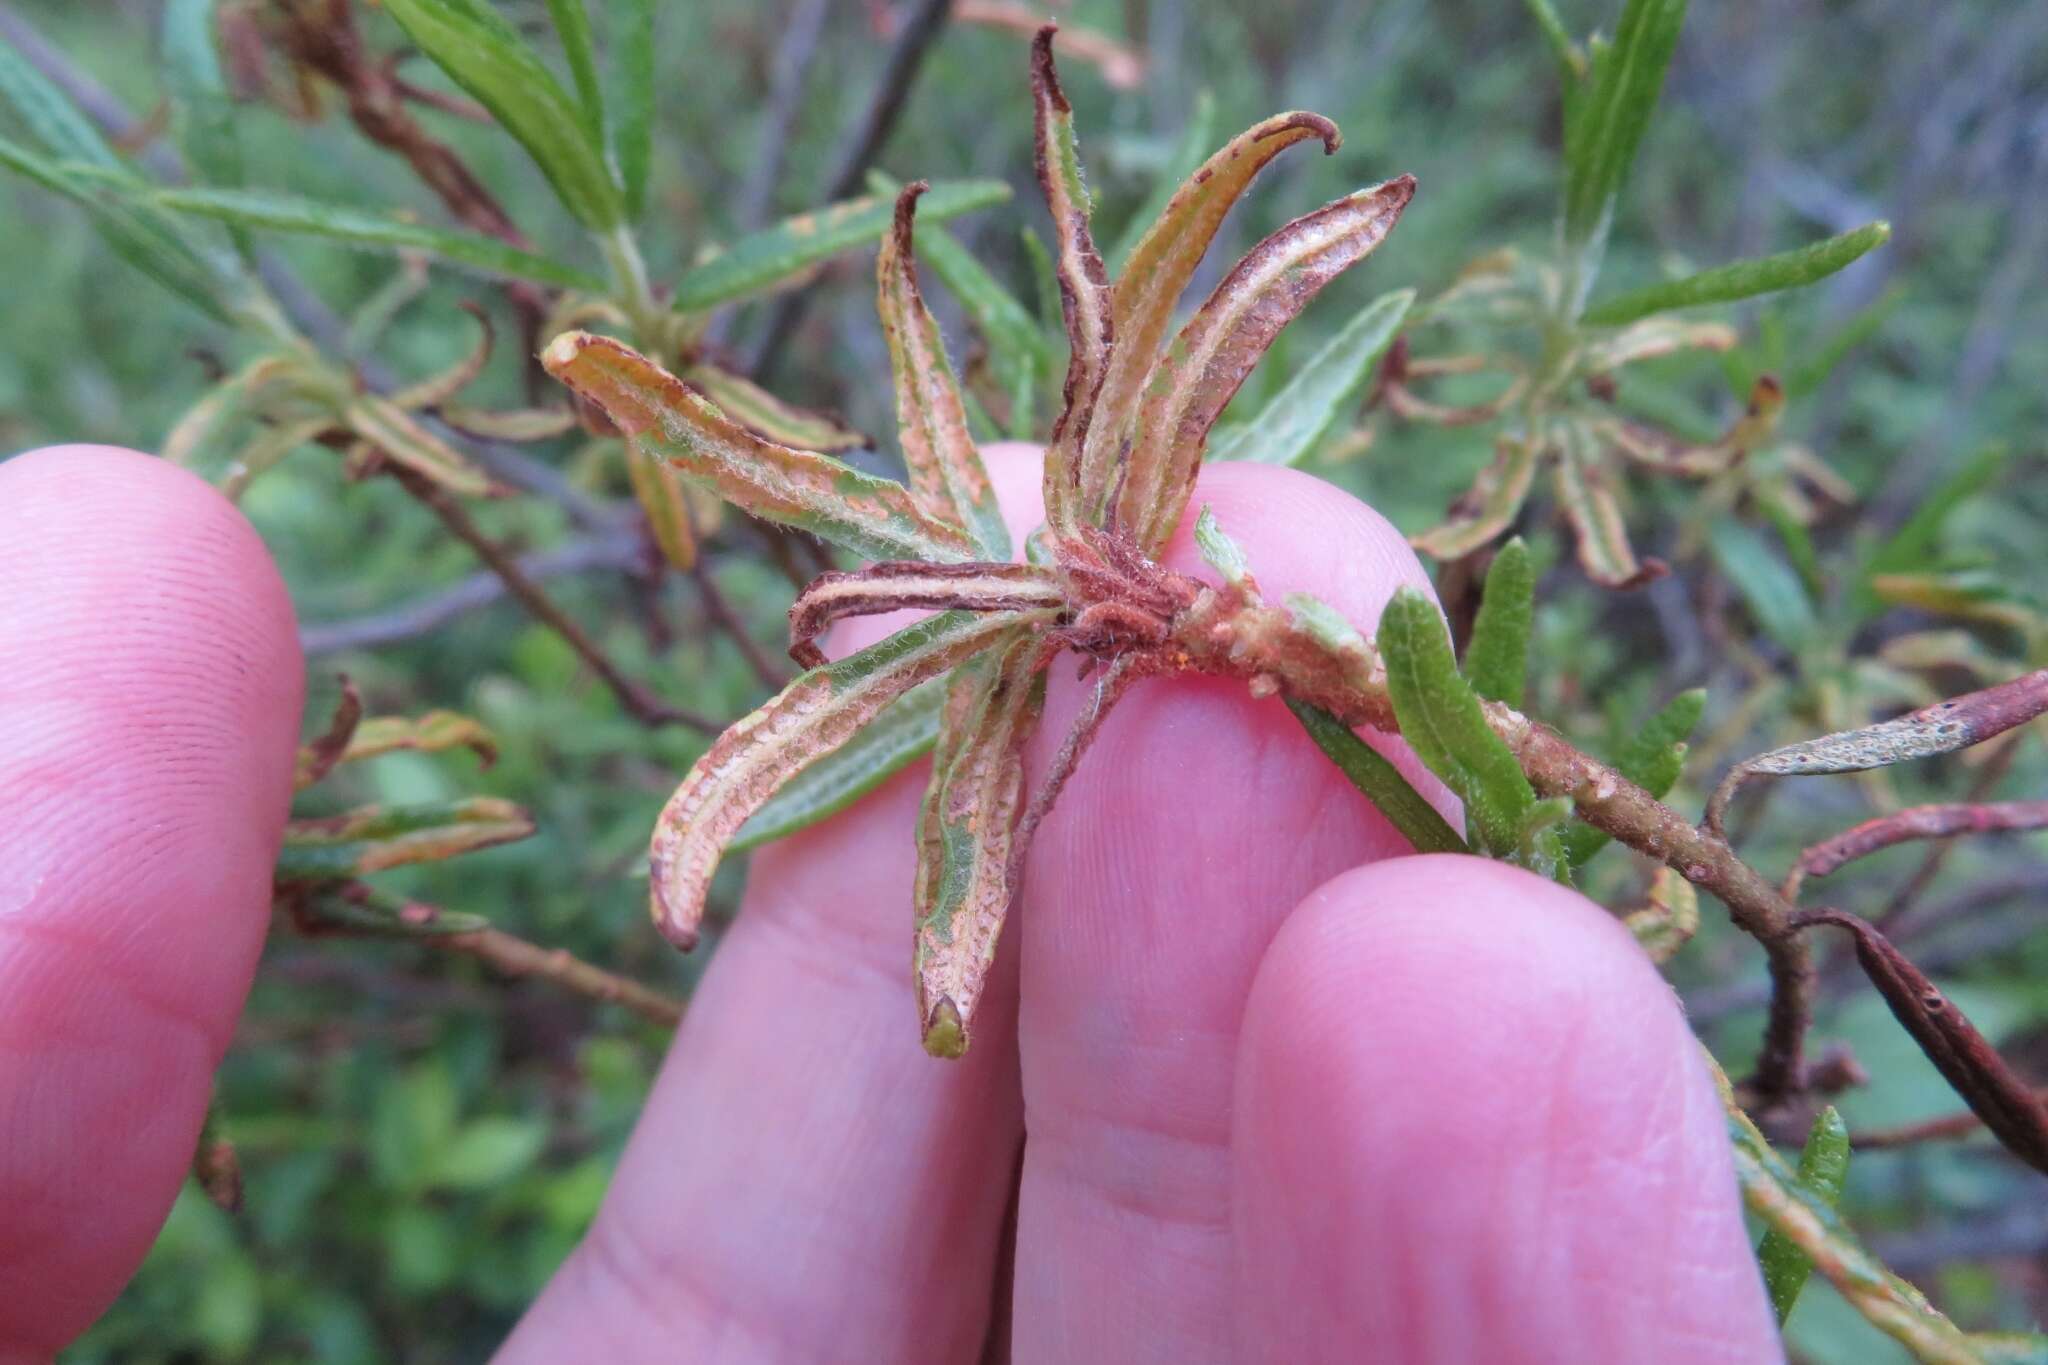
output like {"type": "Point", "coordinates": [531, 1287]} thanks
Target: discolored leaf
{"type": "Point", "coordinates": [666, 419]}
{"type": "Point", "coordinates": [1085, 299]}
{"type": "Point", "coordinates": [895, 585]}
{"type": "Point", "coordinates": [1297, 418]}
{"type": "Point", "coordinates": [781, 253]}
{"type": "Point", "coordinates": [900, 733]}
{"type": "Point", "coordinates": [658, 488]}
{"type": "Point", "coordinates": [508, 424]}
{"type": "Point", "coordinates": [484, 54]}
{"type": "Point", "coordinates": [275, 212]}
{"type": "Point", "coordinates": [404, 441]}
{"type": "Point", "coordinates": [812, 717]}
{"type": "Point", "coordinates": [762, 413]}
{"type": "Point", "coordinates": [1652, 339]}
{"type": "Point", "coordinates": [1406, 809]}
{"type": "Point", "coordinates": [1491, 505]}
{"type": "Point", "coordinates": [1497, 657]}
{"type": "Point", "coordinates": [1769, 585]}
{"type": "Point", "coordinates": [360, 909]}
{"type": "Point", "coordinates": [1741, 279]}
{"type": "Point", "coordinates": [946, 473]}
{"type": "Point", "coordinates": [966, 835]}
{"type": "Point", "coordinates": [1823, 1168]}
{"type": "Point", "coordinates": [1150, 285]}
{"type": "Point", "coordinates": [1440, 717]}
{"type": "Point", "coordinates": [373, 838]}
{"type": "Point", "coordinates": [433, 732]}
{"type": "Point", "coordinates": [1589, 505]}
{"type": "Point", "coordinates": [320, 756]}
{"type": "Point", "coordinates": [1220, 552]}
{"type": "Point", "coordinates": [440, 388]}
{"type": "Point", "coordinates": [1225, 339]}
{"type": "Point", "coordinates": [1652, 759]}
{"type": "Point", "coordinates": [1671, 918]}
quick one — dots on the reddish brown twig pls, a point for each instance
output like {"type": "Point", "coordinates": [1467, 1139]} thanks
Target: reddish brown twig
{"type": "Point", "coordinates": [1947, 1128]}
{"type": "Point", "coordinates": [638, 700]}
{"type": "Point", "coordinates": [2014, 1113]}
{"type": "Point", "coordinates": [1998, 762]}
{"type": "Point", "coordinates": [514, 956]}
{"type": "Point", "coordinates": [1915, 822]}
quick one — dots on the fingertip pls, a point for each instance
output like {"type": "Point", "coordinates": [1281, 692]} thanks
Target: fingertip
{"type": "Point", "coordinates": [150, 692]}
{"type": "Point", "coordinates": [1470, 1119]}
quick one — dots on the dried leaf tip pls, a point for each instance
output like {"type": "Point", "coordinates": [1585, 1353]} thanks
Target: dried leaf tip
{"type": "Point", "coordinates": [1045, 76]}
{"type": "Point", "coordinates": [944, 1035]}
{"type": "Point", "coordinates": [906, 217]}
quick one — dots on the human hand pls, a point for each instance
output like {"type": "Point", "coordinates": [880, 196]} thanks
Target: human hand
{"type": "Point", "coordinates": [1290, 1095]}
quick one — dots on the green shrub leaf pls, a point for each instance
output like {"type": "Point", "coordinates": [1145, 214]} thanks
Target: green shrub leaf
{"type": "Point", "coordinates": [1497, 658]}
{"type": "Point", "coordinates": [485, 55]}
{"type": "Point", "coordinates": [777, 255]}
{"type": "Point", "coordinates": [631, 122]}
{"type": "Point", "coordinates": [1742, 279]}
{"type": "Point", "coordinates": [275, 212]}
{"type": "Point", "coordinates": [1605, 116]}
{"type": "Point", "coordinates": [1652, 759]}
{"type": "Point", "coordinates": [1372, 773]}
{"type": "Point", "coordinates": [1297, 418]}
{"type": "Point", "coordinates": [579, 48]}
{"type": "Point", "coordinates": [900, 734]}
{"type": "Point", "coordinates": [1823, 1168]}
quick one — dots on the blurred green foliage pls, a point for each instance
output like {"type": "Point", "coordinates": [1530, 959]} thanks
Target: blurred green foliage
{"type": "Point", "coordinates": [422, 1144]}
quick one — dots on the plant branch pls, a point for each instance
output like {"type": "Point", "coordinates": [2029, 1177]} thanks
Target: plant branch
{"type": "Point", "coordinates": [641, 703]}
{"type": "Point", "coordinates": [1913, 823]}
{"type": "Point", "coordinates": [1946, 1128]}
{"type": "Point", "coordinates": [857, 151]}
{"type": "Point", "coordinates": [517, 957]}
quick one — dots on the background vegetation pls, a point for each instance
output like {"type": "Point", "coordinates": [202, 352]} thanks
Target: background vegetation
{"type": "Point", "coordinates": [422, 1142]}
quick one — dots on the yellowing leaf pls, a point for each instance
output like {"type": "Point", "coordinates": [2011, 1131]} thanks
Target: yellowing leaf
{"type": "Point", "coordinates": [667, 419]}
{"type": "Point", "coordinates": [1165, 259]}
{"type": "Point", "coordinates": [1604, 552]}
{"type": "Point", "coordinates": [1492, 503]}
{"type": "Point", "coordinates": [658, 488]}
{"type": "Point", "coordinates": [763, 413]}
{"type": "Point", "coordinates": [810, 718]}
{"type": "Point", "coordinates": [1225, 339]}
{"type": "Point", "coordinates": [946, 473]}
{"type": "Point", "coordinates": [966, 835]}
{"type": "Point", "coordinates": [1085, 300]}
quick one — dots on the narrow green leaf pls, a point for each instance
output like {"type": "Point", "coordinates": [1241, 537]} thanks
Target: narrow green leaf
{"type": "Point", "coordinates": [129, 228]}
{"type": "Point", "coordinates": [777, 255]}
{"type": "Point", "coordinates": [1195, 141]}
{"type": "Point", "coordinates": [1605, 115]}
{"type": "Point", "coordinates": [1823, 1169]}
{"type": "Point", "coordinates": [274, 212]}
{"type": "Point", "coordinates": [1821, 359]}
{"type": "Point", "coordinates": [967, 834]}
{"type": "Point", "coordinates": [1497, 658]}
{"type": "Point", "coordinates": [665, 418]}
{"type": "Point", "coordinates": [1220, 344]}
{"type": "Point", "coordinates": [1570, 61]}
{"type": "Point", "coordinates": [900, 734]}
{"type": "Point", "coordinates": [812, 717]}
{"type": "Point", "coordinates": [207, 128]}
{"type": "Point", "coordinates": [1741, 279]}
{"type": "Point", "coordinates": [579, 48]}
{"type": "Point", "coordinates": [1776, 1195]}
{"type": "Point", "coordinates": [1914, 545]}
{"type": "Point", "coordinates": [52, 119]}
{"type": "Point", "coordinates": [658, 488]}
{"type": "Point", "coordinates": [1372, 773]}
{"type": "Point", "coordinates": [1440, 717]}
{"type": "Point", "coordinates": [1297, 418]}
{"type": "Point", "coordinates": [1652, 759]}
{"type": "Point", "coordinates": [1769, 586]}
{"type": "Point", "coordinates": [1149, 287]}
{"type": "Point", "coordinates": [947, 476]}
{"type": "Point", "coordinates": [632, 50]}
{"type": "Point", "coordinates": [1219, 551]}
{"type": "Point", "coordinates": [485, 55]}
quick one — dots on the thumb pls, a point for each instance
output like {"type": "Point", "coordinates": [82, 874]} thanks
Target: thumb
{"type": "Point", "coordinates": [1471, 1124]}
